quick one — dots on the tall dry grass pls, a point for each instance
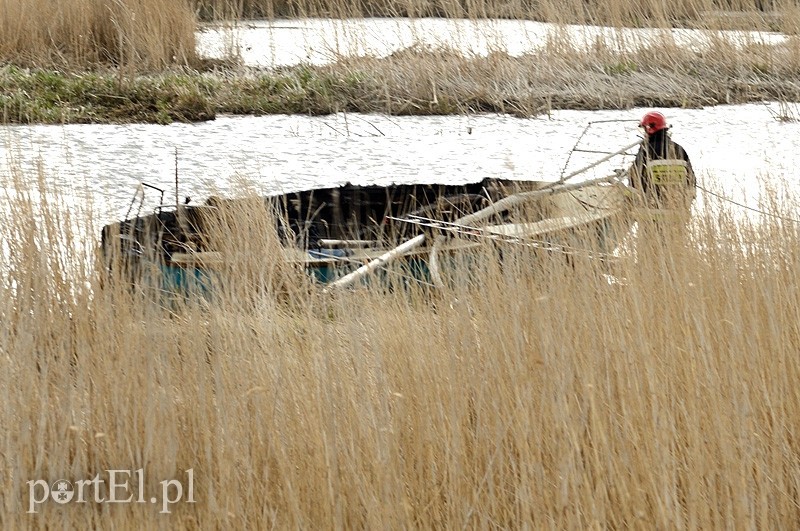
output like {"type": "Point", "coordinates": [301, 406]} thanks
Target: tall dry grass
{"type": "Point", "coordinates": [142, 34]}
{"type": "Point", "coordinates": [539, 394]}
{"type": "Point", "coordinates": [562, 75]}
{"type": "Point", "coordinates": [154, 34]}
{"type": "Point", "coordinates": [614, 12]}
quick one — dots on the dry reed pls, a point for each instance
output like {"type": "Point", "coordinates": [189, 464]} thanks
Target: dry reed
{"type": "Point", "coordinates": [750, 14]}
{"type": "Point", "coordinates": [136, 34]}
{"type": "Point", "coordinates": [152, 34]}
{"type": "Point", "coordinates": [559, 76]}
{"type": "Point", "coordinates": [133, 37]}
{"type": "Point", "coordinates": [422, 81]}
{"type": "Point", "coordinates": [538, 394]}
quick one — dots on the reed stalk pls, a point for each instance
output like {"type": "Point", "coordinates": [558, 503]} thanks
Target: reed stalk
{"type": "Point", "coordinates": [657, 391]}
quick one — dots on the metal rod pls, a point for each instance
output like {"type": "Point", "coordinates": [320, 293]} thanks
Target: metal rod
{"type": "Point", "coordinates": [505, 204]}
{"type": "Point", "coordinates": [557, 187]}
{"type": "Point", "coordinates": [139, 190]}
{"type": "Point", "coordinates": [177, 197]}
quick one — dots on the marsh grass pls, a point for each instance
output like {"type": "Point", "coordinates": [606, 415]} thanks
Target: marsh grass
{"type": "Point", "coordinates": [750, 14]}
{"type": "Point", "coordinates": [562, 76]}
{"type": "Point", "coordinates": [420, 81]}
{"type": "Point", "coordinates": [134, 34]}
{"type": "Point", "coordinates": [536, 394]}
{"type": "Point", "coordinates": [135, 61]}
{"type": "Point", "coordinates": [50, 96]}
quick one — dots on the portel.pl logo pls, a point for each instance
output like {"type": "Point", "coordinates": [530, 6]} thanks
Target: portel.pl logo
{"type": "Point", "coordinates": [123, 486]}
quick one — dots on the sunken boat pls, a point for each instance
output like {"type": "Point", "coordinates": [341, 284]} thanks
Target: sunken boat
{"type": "Point", "coordinates": [340, 234]}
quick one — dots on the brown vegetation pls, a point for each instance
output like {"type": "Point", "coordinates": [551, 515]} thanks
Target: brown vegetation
{"type": "Point", "coordinates": [419, 81]}
{"type": "Point", "coordinates": [540, 394]}
{"type": "Point", "coordinates": [76, 34]}
{"type": "Point", "coordinates": [152, 34]}
{"type": "Point", "coordinates": [563, 77]}
{"type": "Point", "coordinates": [753, 14]}
{"type": "Point", "coordinates": [144, 65]}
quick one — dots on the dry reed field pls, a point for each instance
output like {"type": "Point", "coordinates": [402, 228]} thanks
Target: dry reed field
{"type": "Point", "coordinates": [657, 390]}
{"type": "Point", "coordinates": [562, 77]}
{"type": "Point", "coordinates": [538, 394]}
{"type": "Point", "coordinates": [153, 34]}
{"type": "Point", "coordinates": [419, 82]}
{"type": "Point", "coordinates": [150, 34]}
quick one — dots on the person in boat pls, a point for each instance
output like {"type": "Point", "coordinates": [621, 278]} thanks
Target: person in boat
{"type": "Point", "coordinates": [662, 171]}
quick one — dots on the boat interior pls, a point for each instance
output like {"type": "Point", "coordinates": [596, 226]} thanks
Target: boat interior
{"type": "Point", "coordinates": [322, 224]}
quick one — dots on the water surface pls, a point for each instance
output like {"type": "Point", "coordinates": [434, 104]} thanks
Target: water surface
{"type": "Point", "coordinates": [321, 41]}
{"type": "Point", "coordinates": [733, 148]}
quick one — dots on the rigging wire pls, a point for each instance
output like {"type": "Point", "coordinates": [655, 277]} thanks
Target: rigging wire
{"type": "Point", "coordinates": [742, 205]}
{"type": "Point", "coordinates": [580, 137]}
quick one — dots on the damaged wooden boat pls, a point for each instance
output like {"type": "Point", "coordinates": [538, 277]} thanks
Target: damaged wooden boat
{"type": "Point", "coordinates": [341, 235]}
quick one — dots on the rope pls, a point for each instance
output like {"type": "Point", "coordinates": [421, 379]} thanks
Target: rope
{"type": "Point", "coordinates": [742, 205]}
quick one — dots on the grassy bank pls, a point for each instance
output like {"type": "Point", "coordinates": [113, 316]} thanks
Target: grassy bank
{"type": "Point", "coordinates": [415, 81]}
{"type": "Point", "coordinates": [136, 60]}
{"type": "Point", "coordinates": [538, 395]}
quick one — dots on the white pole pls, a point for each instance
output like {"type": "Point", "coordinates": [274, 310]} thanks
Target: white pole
{"type": "Point", "coordinates": [382, 260]}
{"type": "Point", "coordinates": [494, 208]}
{"type": "Point", "coordinates": [522, 197]}
{"type": "Point", "coordinates": [503, 204]}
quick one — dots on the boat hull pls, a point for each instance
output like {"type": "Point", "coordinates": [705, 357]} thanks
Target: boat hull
{"type": "Point", "coordinates": [332, 232]}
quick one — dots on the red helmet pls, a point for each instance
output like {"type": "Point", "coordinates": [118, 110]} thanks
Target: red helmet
{"type": "Point", "coordinates": [652, 122]}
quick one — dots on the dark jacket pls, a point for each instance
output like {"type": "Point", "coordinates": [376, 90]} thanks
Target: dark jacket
{"type": "Point", "coordinates": [659, 146]}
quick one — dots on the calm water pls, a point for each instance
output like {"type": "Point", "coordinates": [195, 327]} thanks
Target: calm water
{"type": "Point", "coordinates": [733, 148]}
{"type": "Point", "coordinates": [320, 41]}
